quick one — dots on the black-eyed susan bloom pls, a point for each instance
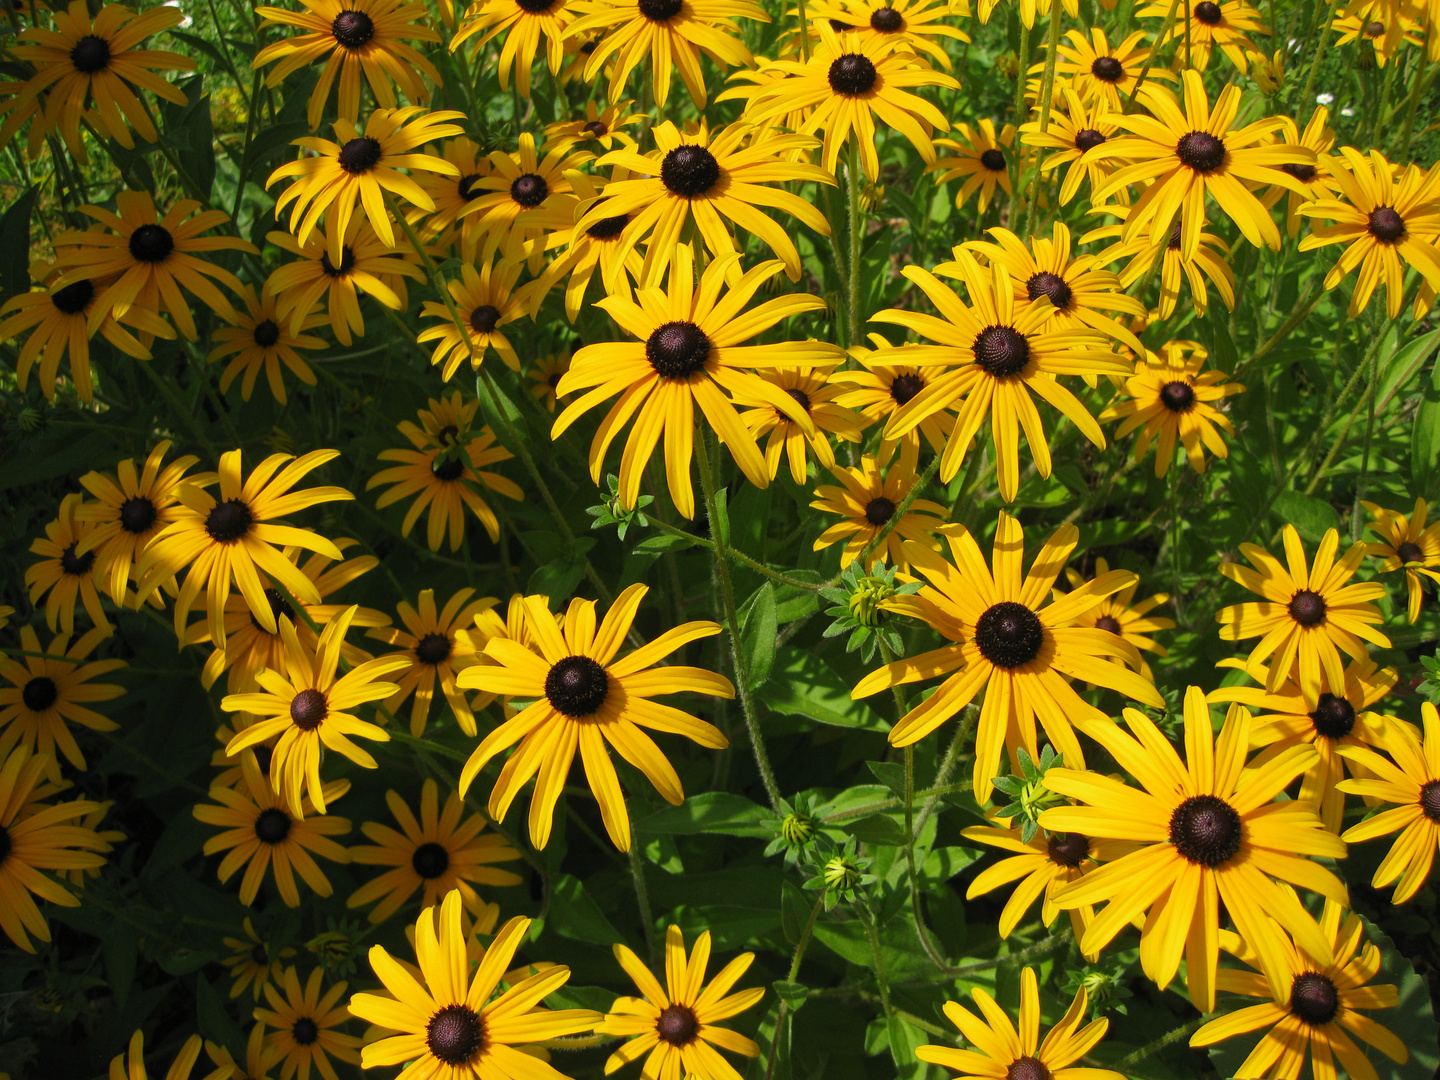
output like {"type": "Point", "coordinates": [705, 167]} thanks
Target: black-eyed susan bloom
{"type": "Point", "coordinates": [361, 41]}
{"type": "Point", "coordinates": [250, 963]}
{"type": "Point", "coordinates": [230, 539]}
{"type": "Point", "coordinates": [1281, 719]}
{"type": "Point", "coordinates": [507, 212]}
{"type": "Point", "coordinates": [150, 260]}
{"type": "Point", "coordinates": [261, 340]}
{"type": "Point", "coordinates": [1186, 152]}
{"type": "Point", "coordinates": [1224, 26]}
{"type": "Point", "coordinates": [1005, 1051]}
{"type": "Point", "coordinates": [1406, 543]}
{"type": "Point", "coordinates": [600, 245]}
{"type": "Point", "coordinates": [846, 85]}
{"type": "Point", "coordinates": [1318, 182]}
{"type": "Point", "coordinates": [130, 509]}
{"type": "Point", "coordinates": [879, 391]}
{"type": "Point", "coordinates": [1385, 222]}
{"type": "Point", "coordinates": [702, 179]}
{"type": "Point", "coordinates": [305, 1023]}
{"type": "Point", "coordinates": [450, 1022]}
{"type": "Point", "coordinates": [979, 160]}
{"type": "Point", "coordinates": [1208, 267]}
{"type": "Point", "coordinates": [994, 356]}
{"type": "Point", "coordinates": [181, 1067]}
{"type": "Point", "coordinates": [586, 701]}
{"type": "Point", "coordinates": [1407, 777]}
{"type": "Point", "coordinates": [262, 835]}
{"type": "Point", "coordinates": [452, 193]}
{"type": "Point", "coordinates": [485, 299]}
{"type": "Point", "coordinates": [523, 23]}
{"type": "Point", "coordinates": [63, 572]}
{"type": "Point", "coordinates": [46, 837]}
{"type": "Point", "coordinates": [1320, 1007]}
{"type": "Point", "coordinates": [867, 499]}
{"type": "Point", "coordinates": [1308, 614]}
{"type": "Point", "coordinates": [675, 1027]}
{"type": "Point", "coordinates": [433, 655]}
{"type": "Point", "coordinates": [50, 687]}
{"type": "Point", "coordinates": [1210, 834]}
{"type": "Point", "coordinates": [814, 391]}
{"type": "Point", "coordinates": [1171, 403]}
{"type": "Point", "coordinates": [438, 852]}
{"type": "Point", "coordinates": [1122, 615]}
{"type": "Point", "coordinates": [1102, 74]}
{"type": "Point", "coordinates": [308, 707]}
{"type": "Point", "coordinates": [545, 373]}
{"type": "Point", "coordinates": [84, 69]}
{"type": "Point", "coordinates": [1007, 640]}
{"type": "Point", "coordinates": [361, 168]}
{"type": "Point", "coordinates": [1075, 127]}
{"type": "Point", "coordinates": [603, 124]}
{"type": "Point", "coordinates": [689, 352]}
{"type": "Point", "coordinates": [915, 23]}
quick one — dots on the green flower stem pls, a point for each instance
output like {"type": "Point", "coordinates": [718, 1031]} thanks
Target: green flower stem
{"type": "Point", "coordinates": [1357, 518]}
{"type": "Point", "coordinates": [935, 792]}
{"type": "Point", "coordinates": [1047, 91]}
{"type": "Point", "coordinates": [1302, 310]}
{"type": "Point", "coordinates": [1129, 103]}
{"type": "Point", "coordinates": [879, 960]}
{"type": "Point", "coordinates": [800, 946]}
{"type": "Point", "coordinates": [853, 219]}
{"type": "Point", "coordinates": [1031, 952]}
{"type": "Point", "coordinates": [948, 763]}
{"type": "Point", "coordinates": [734, 553]}
{"type": "Point", "coordinates": [642, 898]}
{"type": "Point", "coordinates": [1423, 79]}
{"type": "Point", "coordinates": [181, 412]}
{"type": "Point", "coordinates": [732, 622]}
{"type": "Point", "coordinates": [804, 55]}
{"type": "Point", "coordinates": [1327, 25]}
{"type": "Point", "coordinates": [1153, 1048]}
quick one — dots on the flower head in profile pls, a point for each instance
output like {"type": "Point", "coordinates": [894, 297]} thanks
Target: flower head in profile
{"type": "Point", "coordinates": [586, 700]}
{"type": "Point", "coordinates": [1209, 833]}
{"type": "Point", "coordinates": [1406, 543]}
{"type": "Point", "coordinates": [674, 1027]}
{"type": "Point", "coordinates": [50, 689]}
{"type": "Point", "coordinates": [1308, 614]}
{"type": "Point", "coordinates": [1003, 1051]}
{"type": "Point", "coordinates": [1007, 640]}
{"type": "Point", "coordinates": [451, 1023]}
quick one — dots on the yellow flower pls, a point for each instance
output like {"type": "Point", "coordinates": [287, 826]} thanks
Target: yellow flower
{"type": "Point", "coordinates": [91, 60]}
{"type": "Point", "coordinates": [450, 1022]}
{"type": "Point", "coordinates": [363, 38]}
{"type": "Point", "coordinates": [46, 838]}
{"type": "Point", "coordinates": [815, 391]}
{"type": "Point", "coordinates": [180, 1068]}
{"type": "Point", "coordinates": [1005, 639]}
{"type": "Point", "coordinates": [1212, 25]}
{"type": "Point", "coordinates": [452, 193]}
{"type": "Point", "coordinates": [674, 1027]}
{"type": "Point", "coordinates": [260, 340]}
{"type": "Point", "coordinates": [1316, 178]}
{"type": "Point", "coordinates": [604, 124]}
{"type": "Point", "coordinates": [1315, 1009]}
{"type": "Point", "coordinates": [911, 22]}
{"type": "Point", "coordinates": [1005, 1052]}
{"type": "Point", "coordinates": [586, 700]}
{"type": "Point", "coordinates": [1212, 833]}
{"type": "Point", "coordinates": [308, 707]}
{"type": "Point", "coordinates": [546, 373]}
{"type": "Point", "coordinates": [1406, 543]}
{"type": "Point", "coordinates": [523, 22]}
{"type": "Point", "coordinates": [866, 500]}
{"type": "Point", "coordinates": [1307, 615]}
{"type": "Point", "coordinates": [1103, 75]}
{"type": "Point", "coordinates": [1075, 127]}
{"type": "Point", "coordinates": [689, 352]}
{"type": "Point", "coordinates": [1409, 779]}
{"type": "Point", "coordinates": [1168, 400]}
{"type": "Point", "coordinates": [232, 538]}
{"type": "Point", "coordinates": [433, 654]}
{"type": "Point", "coordinates": [64, 572]}
{"type": "Point", "coordinates": [1122, 616]}
{"type": "Point", "coordinates": [509, 199]}
{"type": "Point", "coordinates": [305, 1023]}
{"type": "Point", "coordinates": [45, 692]}
{"type": "Point", "coordinates": [1176, 268]}
{"type": "Point", "coordinates": [485, 299]}
{"type": "Point", "coordinates": [980, 159]}
{"type": "Point", "coordinates": [251, 964]}
{"type": "Point", "coordinates": [882, 390]}
{"type": "Point", "coordinates": [439, 853]}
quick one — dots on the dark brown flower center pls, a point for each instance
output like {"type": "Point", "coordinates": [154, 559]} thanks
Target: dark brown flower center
{"type": "Point", "coordinates": [879, 510]}
{"type": "Point", "coordinates": [73, 298]}
{"type": "Point", "coordinates": [447, 435]}
{"type": "Point", "coordinates": [1386, 225]}
{"type": "Point", "coordinates": [608, 228]}
{"type": "Point", "coordinates": [1430, 800]}
{"type": "Point", "coordinates": [1108, 622]}
{"type": "Point", "coordinates": [1313, 998]}
{"type": "Point", "coordinates": [308, 709]}
{"type": "Point", "coordinates": [993, 159]}
{"type": "Point", "coordinates": [1208, 13]}
{"type": "Point", "coordinates": [1088, 139]}
{"type": "Point", "coordinates": [1409, 553]}
{"type": "Point", "coordinates": [5, 844]}
{"type": "Point", "coordinates": [1107, 69]}
{"type": "Point", "coordinates": [676, 350]}
{"type": "Point", "coordinates": [1299, 170]}
{"type": "Point", "coordinates": [1178, 396]}
{"type": "Point", "coordinates": [1174, 242]}
{"type": "Point", "coordinates": [272, 826]}
{"type": "Point", "coordinates": [455, 1034]}
{"type": "Point", "coordinates": [1333, 716]}
{"type": "Point", "coordinates": [577, 686]}
{"type": "Point", "coordinates": [1027, 1068]}
{"type": "Point", "coordinates": [852, 75]}
{"type": "Point", "coordinates": [678, 1025]}
{"type": "Point", "coordinates": [800, 398]}
{"type": "Point", "coordinates": [1307, 607]}
{"type": "Point", "coordinates": [1201, 151]}
{"type": "Point", "coordinates": [1068, 848]}
{"type": "Point", "coordinates": [595, 129]}
{"type": "Point", "coordinates": [347, 262]}
{"type": "Point", "coordinates": [76, 565]}
{"type": "Point", "coordinates": [90, 54]}
{"type": "Point", "coordinates": [535, 7]}
{"type": "Point", "coordinates": [905, 387]}
{"type": "Point", "coordinates": [259, 957]}
{"type": "Point", "coordinates": [1206, 830]}
{"type": "Point", "coordinates": [1009, 634]}
{"type": "Point", "coordinates": [279, 606]}
{"type": "Point", "coordinates": [887, 20]}
{"type": "Point", "coordinates": [1374, 29]}
{"type": "Point", "coordinates": [137, 514]}
{"type": "Point", "coordinates": [39, 693]}
{"type": "Point", "coordinates": [484, 318]}
{"type": "Point", "coordinates": [447, 467]}
{"type": "Point", "coordinates": [229, 521]}
{"type": "Point", "coordinates": [529, 190]}
{"type": "Point", "coordinates": [1051, 285]}
{"type": "Point", "coordinates": [430, 860]}
{"type": "Point", "coordinates": [151, 244]}
{"type": "Point", "coordinates": [660, 10]}
{"type": "Point", "coordinates": [433, 649]}
{"type": "Point", "coordinates": [353, 29]}
{"type": "Point", "coordinates": [690, 171]}
{"type": "Point", "coordinates": [465, 186]}
{"type": "Point", "coordinates": [266, 333]}
{"type": "Point", "coordinates": [1001, 351]}
{"type": "Point", "coordinates": [359, 156]}
{"type": "Point", "coordinates": [304, 1031]}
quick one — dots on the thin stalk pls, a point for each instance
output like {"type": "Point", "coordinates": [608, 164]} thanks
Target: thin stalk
{"type": "Point", "coordinates": [1150, 59]}
{"type": "Point", "coordinates": [1152, 1048]}
{"type": "Point", "coordinates": [1308, 93]}
{"type": "Point", "coordinates": [642, 898]}
{"type": "Point", "coordinates": [852, 213]}
{"type": "Point", "coordinates": [1356, 517]}
{"type": "Point", "coordinates": [1422, 79]}
{"type": "Point", "coordinates": [1047, 90]}
{"type": "Point", "coordinates": [734, 553]}
{"type": "Point", "coordinates": [800, 946]}
{"type": "Point", "coordinates": [875, 955]}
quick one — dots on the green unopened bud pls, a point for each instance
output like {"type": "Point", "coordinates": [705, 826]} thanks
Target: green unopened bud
{"type": "Point", "coordinates": [797, 829]}
{"type": "Point", "coordinates": [331, 948]}
{"type": "Point", "coordinates": [47, 1000]}
{"type": "Point", "coordinates": [841, 873]}
{"type": "Point", "coordinates": [865, 601]}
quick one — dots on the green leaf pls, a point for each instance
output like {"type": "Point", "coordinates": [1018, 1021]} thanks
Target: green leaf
{"type": "Point", "coordinates": [903, 1041]}
{"type": "Point", "coordinates": [877, 829]}
{"type": "Point", "coordinates": [268, 144]}
{"type": "Point", "coordinates": [122, 950]}
{"type": "Point", "coordinates": [182, 960]}
{"type": "Point", "coordinates": [794, 911]}
{"type": "Point", "coordinates": [190, 133]}
{"type": "Point", "coordinates": [15, 246]}
{"type": "Point", "coordinates": [1223, 354]}
{"type": "Point", "coordinates": [711, 812]}
{"type": "Point", "coordinates": [757, 635]}
{"type": "Point", "coordinates": [50, 454]}
{"type": "Point", "coordinates": [804, 685]}
{"type": "Point", "coordinates": [214, 1022]}
{"type": "Point", "coordinates": [1310, 516]}
{"type": "Point", "coordinates": [662, 543]}
{"type": "Point", "coordinates": [575, 914]}
{"type": "Point", "coordinates": [720, 527]}
{"type": "Point", "coordinates": [792, 993]}
{"type": "Point", "coordinates": [557, 579]}
{"type": "Point", "coordinates": [1425, 444]}
{"type": "Point", "coordinates": [889, 773]}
